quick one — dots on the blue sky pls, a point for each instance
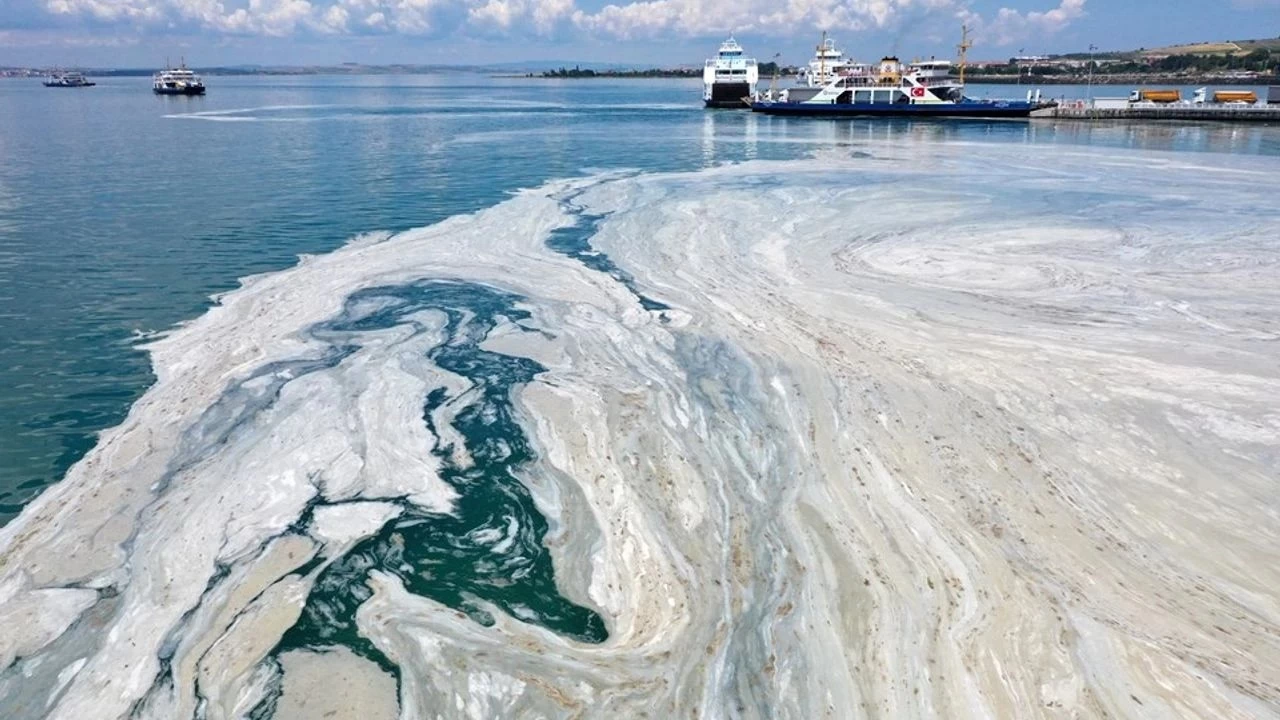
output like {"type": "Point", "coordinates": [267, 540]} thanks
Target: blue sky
{"type": "Point", "coordinates": [141, 33]}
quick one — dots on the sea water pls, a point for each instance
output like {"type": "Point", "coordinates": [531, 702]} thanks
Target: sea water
{"type": "Point", "coordinates": [524, 382]}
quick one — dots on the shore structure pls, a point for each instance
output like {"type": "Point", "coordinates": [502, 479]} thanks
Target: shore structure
{"type": "Point", "coordinates": [1112, 109]}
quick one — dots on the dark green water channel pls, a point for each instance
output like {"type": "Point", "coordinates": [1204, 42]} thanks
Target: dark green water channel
{"type": "Point", "coordinates": [489, 550]}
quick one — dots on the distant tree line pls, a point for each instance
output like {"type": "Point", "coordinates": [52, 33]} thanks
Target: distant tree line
{"type": "Point", "coordinates": [580, 72]}
{"type": "Point", "coordinates": [1261, 61]}
{"type": "Point", "coordinates": [767, 70]}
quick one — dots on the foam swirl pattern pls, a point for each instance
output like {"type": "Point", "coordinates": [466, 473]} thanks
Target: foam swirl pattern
{"type": "Point", "coordinates": [919, 432]}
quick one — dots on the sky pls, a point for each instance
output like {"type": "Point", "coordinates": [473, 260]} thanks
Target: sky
{"type": "Point", "coordinates": [664, 33]}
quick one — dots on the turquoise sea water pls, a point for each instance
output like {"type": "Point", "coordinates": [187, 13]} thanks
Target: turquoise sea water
{"type": "Point", "coordinates": [122, 213]}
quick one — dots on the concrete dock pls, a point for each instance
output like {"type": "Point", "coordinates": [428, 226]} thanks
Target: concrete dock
{"type": "Point", "coordinates": [1082, 110]}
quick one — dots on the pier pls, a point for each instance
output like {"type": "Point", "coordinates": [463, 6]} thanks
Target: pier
{"type": "Point", "coordinates": [1082, 110]}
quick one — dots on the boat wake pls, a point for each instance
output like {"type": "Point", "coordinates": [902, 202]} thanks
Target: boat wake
{"type": "Point", "coordinates": [928, 431]}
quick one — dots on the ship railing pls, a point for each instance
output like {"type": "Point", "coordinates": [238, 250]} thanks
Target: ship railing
{"type": "Point", "coordinates": [933, 81]}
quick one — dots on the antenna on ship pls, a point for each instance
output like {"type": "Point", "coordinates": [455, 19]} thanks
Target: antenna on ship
{"type": "Point", "coordinates": [822, 58]}
{"type": "Point", "coordinates": [964, 49]}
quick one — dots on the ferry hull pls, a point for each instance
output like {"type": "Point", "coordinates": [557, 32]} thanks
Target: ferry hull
{"type": "Point", "coordinates": [1010, 109]}
{"type": "Point", "coordinates": [179, 91]}
{"type": "Point", "coordinates": [729, 96]}
{"type": "Point", "coordinates": [70, 85]}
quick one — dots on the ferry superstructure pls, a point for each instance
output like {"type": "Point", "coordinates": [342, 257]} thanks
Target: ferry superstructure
{"type": "Point", "coordinates": [177, 81]}
{"type": "Point", "coordinates": [893, 88]}
{"type": "Point", "coordinates": [729, 78]}
{"type": "Point", "coordinates": [827, 63]}
{"type": "Point", "coordinates": [68, 79]}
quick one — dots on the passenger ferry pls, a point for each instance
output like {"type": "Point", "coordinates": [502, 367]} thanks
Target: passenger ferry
{"type": "Point", "coordinates": [68, 79]}
{"type": "Point", "coordinates": [729, 79]}
{"type": "Point", "coordinates": [893, 88]}
{"type": "Point", "coordinates": [177, 81]}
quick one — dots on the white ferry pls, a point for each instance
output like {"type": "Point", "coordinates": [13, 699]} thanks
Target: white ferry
{"type": "Point", "coordinates": [177, 81]}
{"type": "Point", "coordinates": [729, 79]}
{"type": "Point", "coordinates": [68, 79]}
{"type": "Point", "coordinates": [892, 88]}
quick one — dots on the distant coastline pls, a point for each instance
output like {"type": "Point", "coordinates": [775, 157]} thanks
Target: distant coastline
{"type": "Point", "coordinates": [1250, 63]}
{"type": "Point", "coordinates": [234, 70]}
{"type": "Point", "coordinates": [972, 78]}
{"type": "Point", "coordinates": [578, 72]}
{"type": "Point", "coordinates": [975, 75]}
{"type": "Point", "coordinates": [1126, 79]}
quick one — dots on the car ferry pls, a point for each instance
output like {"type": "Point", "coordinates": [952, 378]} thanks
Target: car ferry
{"type": "Point", "coordinates": [177, 81]}
{"type": "Point", "coordinates": [893, 88]}
{"type": "Point", "coordinates": [69, 79]}
{"type": "Point", "coordinates": [729, 79]}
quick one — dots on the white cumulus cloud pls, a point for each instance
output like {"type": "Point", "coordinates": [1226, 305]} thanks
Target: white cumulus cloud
{"type": "Point", "coordinates": [654, 18]}
{"type": "Point", "coordinates": [540, 15]}
{"type": "Point", "coordinates": [1009, 26]}
{"type": "Point", "coordinates": [335, 19]}
{"type": "Point", "coordinates": [650, 19]}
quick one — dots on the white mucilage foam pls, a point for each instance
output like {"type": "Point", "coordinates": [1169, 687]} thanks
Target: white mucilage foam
{"type": "Point", "coordinates": [934, 431]}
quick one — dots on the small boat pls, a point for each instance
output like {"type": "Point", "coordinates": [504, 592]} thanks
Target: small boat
{"type": "Point", "coordinates": [177, 81]}
{"type": "Point", "coordinates": [729, 78]}
{"type": "Point", "coordinates": [891, 88]}
{"type": "Point", "coordinates": [68, 80]}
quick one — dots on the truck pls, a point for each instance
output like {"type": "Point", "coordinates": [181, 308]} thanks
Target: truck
{"type": "Point", "coordinates": [1226, 97]}
{"type": "Point", "coordinates": [1154, 96]}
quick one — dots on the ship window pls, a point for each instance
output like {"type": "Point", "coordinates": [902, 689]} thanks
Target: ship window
{"type": "Point", "coordinates": [862, 96]}
{"type": "Point", "coordinates": [882, 96]}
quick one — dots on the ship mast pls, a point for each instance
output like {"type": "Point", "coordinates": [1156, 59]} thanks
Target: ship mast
{"type": "Point", "coordinates": [822, 58]}
{"type": "Point", "coordinates": [964, 49]}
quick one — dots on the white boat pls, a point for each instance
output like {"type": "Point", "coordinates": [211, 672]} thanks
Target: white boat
{"type": "Point", "coordinates": [177, 81]}
{"type": "Point", "coordinates": [68, 79]}
{"type": "Point", "coordinates": [729, 78]}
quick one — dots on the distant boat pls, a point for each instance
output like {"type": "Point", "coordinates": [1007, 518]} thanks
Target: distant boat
{"type": "Point", "coordinates": [177, 81]}
{"type": "Point", "coordinates": [68, 79]}
{"type": "Point", "coordinates": [729, 78]}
